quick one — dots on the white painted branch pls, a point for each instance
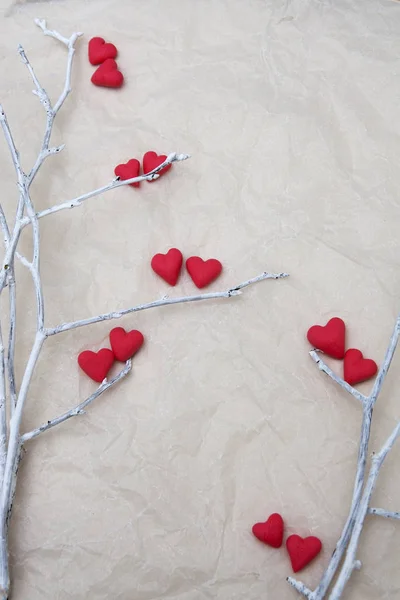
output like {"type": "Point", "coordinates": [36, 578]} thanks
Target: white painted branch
{"type": "Point", "coordinates": [350, 562]}
{"type": "Point", "coordinates": [40, 91]}
{"type": "Point", "coordinates": [368, 405]}
{"type": "Point", "coordinates": [3, 409]}
{"type": "Point", "coordinates": [115, 183]}
{"type": "Point", "coordinates": [234, 291]}
{"type": "Point", "coordinates": [3, 395]}
{"type": "Point", "coordinates": [11, 145]}
{"type": "Point", "coordinates": [383, 370]}
{"type": "Point", "coordinates": [380, 512]}
{"type": "Point", "coordinates": [54, 34]}
{"type": "Point", "coordinates": [8, 260]}
{"type": "Point", "coordinates": [12, 315]}
{"type": "Point", "coordinates": [11, 340]}
{"type": "Point", "coordinates": [300, 587]}
{"type": "Point", "coordinates": [67, 86]}
{"type": "Point", "coordinates": [12, 453]}
{"type": "Point", "coordinates": [80, 408]}
{"type": "Point", "coordinates": [44, 98]}
{"type": "Point", "coordinates": [325, 369]}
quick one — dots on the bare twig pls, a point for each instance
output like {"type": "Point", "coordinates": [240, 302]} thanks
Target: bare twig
{"type": "Point", "coordinates": [3, 409]}
{"type": "Point", "coordinates": [80, 408]}
{"type": "Point", "coordinates": [380, 512]}
{"type": "Point", "coordinates": [325, 369]}
{"type": "Point", "coordinates": [234, 291]}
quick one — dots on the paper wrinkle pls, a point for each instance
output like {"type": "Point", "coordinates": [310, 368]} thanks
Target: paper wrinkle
{"type": "Point", "coordinates": [290, 112]}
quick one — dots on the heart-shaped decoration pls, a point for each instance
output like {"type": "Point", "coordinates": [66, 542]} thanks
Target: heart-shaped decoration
{"type": "Point", "coordinates": [99, 51]}
{"type": "Point", "coordinates": [203, 272]}
{"type": "Point", "coordinates": [330, 338]}
{"type": "Point", "coordinates": [96, 364]}
{"type": "Point", "coordinates": [128, 170]}
{"type": "Point", "coordinates": [270, 532]}
{"type": "Point", "coordinates": [152, 160]}
{"type": "Point", "coordinates": [107, 75]}
{"type": "Point", "coordinates": [168, 266]}
{"type": "Point", "coordinates": [356, 368]}
{"type": "Point", "coordinates": [302, 550]}
{"type": "Point", "coordinates": [125, 344]}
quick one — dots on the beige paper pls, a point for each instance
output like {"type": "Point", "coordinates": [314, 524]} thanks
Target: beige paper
{"type": "Point", "coordinates": [290, 110]}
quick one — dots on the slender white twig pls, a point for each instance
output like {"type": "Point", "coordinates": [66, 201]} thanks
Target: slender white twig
{"type": "Point", "coordinates": [12, 316]}
{"type": "Point", "coordinates": [350, 561]}
{"type": "Point", "coordinates": [3, 398]}
{"type": "Point", "coordinates": [301, 588]}
{"type": "Point", "coordinates": [328, 371]}
{"type": "Point", "coordinates": [115, 183]}
{"type": "Point", "coordinates": [380, 512]}
{"type": "Point", "coordinates": [234, 291]}
{"type": "Point", "coordinates": [54, 34]}
{"type": "Point", "coordinates": [40, 92]}
{"type": "Point", "coordinates": [11, 340]}
{"type": "Point", "coordinates": [80, 408]}
{"type": "Point", "coordinates": [43, 96]}
{"type": "Point", "coordinates": [3, 409]}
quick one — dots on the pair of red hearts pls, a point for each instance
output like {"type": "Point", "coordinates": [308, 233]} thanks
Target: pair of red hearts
{"type": "Point", "coordinates": [168, 266]}
{"type": "Point", "coordinates": [130, 169]}
{"type": "Point", "coordinates": [331, 340]}
{"type": "Point", "coordinates": [103, 54]}
{"type": "Point", "coordinates": [301, 550]}
{"type": "Point", "coordinates": [124, 345]}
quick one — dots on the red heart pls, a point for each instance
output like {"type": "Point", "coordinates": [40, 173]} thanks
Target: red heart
{"type": "Point", "coordinates": [128, 170]}
{"type": "Point", "coordinates": [99, 51]}
{"type": "Point", "coordinates": [202, 271]}
{"type": "Point", "coordinates": [151, 160]}
{"type": "Point", "coordinates": [125, 344]}
{"type": "Point", "coordinates": [356, 368]}
{"type": "Point", "coordinates": [96, 364]}
{"type": "Point", "coordinates": [168, 266]}
{"type": "Point", "coordinates": [330, 339]}
{"type": "Point", "coordinates": [270, 532]}
{"type": "Point", "coordinates": [107, 75]}
{"type": "Point", "coordinates": [302, 550]}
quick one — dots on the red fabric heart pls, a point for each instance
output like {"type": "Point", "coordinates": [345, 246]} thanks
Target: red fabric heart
{"type": "Point", "coordinates": [99, 51]}
{"type": "Point", "coordinates": [107, 75]}
{"type": "Point", "coordinates": [125, 344]}
{"type": "Point", "coordinates": [128, 170]}
{"type": "Point", "coordinates": [270, 532]}
{"type": "Point", "coordinates": [302, 550]}
{"type": "Point", "coordinates": [356, 368]}
{"type": "Point", "coordinates": [151, 160]}
{"type": "Point", "coordinates": [168, 266]}
{"type": "Point", "coordinates": [202, 271]}
{"type": "Point", "coordinates": [96, 364]}
{"type": "Point", "coordinates": [330, 339]}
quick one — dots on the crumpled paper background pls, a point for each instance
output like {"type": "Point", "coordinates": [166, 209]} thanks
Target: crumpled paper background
{"type": "Point", "coordinates": [290, 110]}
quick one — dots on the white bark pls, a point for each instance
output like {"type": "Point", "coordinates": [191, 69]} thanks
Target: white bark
{"type": "Point", "coordinates": [234, 291]}
{"type": "Point", "coordinates": [80, 408]}
{"type": "Point", "coordinates": [380, 512]}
